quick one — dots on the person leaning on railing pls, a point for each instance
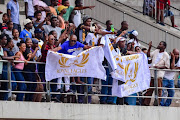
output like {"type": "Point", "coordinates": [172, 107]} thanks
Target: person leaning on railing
{"type": "Point", "coordinates": [168, 80]}
{"type": "Point", "coordinates": [160, 60]}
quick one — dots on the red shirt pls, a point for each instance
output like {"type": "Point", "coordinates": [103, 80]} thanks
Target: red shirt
{"type": "Point", "coordinates": [161, 4]}
{"type": "Point", "coordinates": [44, 53]}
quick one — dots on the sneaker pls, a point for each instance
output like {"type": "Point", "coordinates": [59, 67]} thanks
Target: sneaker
{"type": "Point", "coordinates": [175, 26]}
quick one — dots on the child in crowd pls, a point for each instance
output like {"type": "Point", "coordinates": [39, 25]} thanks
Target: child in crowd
{"type": "Point", "coordinates": [16, 40]}
{"type": "Point", "coordinates": [37, 16]}
{"type": "Point", "coordinates": [9, 30]}
{"type": "Point", "coordinates": [3, 25]}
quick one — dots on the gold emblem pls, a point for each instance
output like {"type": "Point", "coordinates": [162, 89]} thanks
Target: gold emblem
{"type": "Point", "coordinates": [84, 60]}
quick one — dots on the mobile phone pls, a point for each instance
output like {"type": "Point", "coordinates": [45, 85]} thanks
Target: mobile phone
{"type": "Point", "coordinates": [112, 28]}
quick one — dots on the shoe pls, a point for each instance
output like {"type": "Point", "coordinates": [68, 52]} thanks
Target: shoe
{"type": "Point", "coordinates": [162, 24]}
{"type": "Point", "coordinates": [175, 26]}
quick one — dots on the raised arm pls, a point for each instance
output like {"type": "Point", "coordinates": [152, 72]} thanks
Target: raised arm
{"type": "Point", "coordinates": [84, 7]}
{"type": "Point", "coordinates": [149, 49]}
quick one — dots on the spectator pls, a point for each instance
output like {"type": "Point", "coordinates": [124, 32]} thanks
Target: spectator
{"type": "Point", "coordinates": [13, 13]}
{"type": "Point", "coordinates": [76, 13]}
{"type": "Point", "coordinates": [144, 50]}
{"type": "Point", "coordinates": [29, 9]}
{"type": "Point", "coordinates": [3, 25]}
{"type": "Point", "coordinates": [9, 30]}
{"type": "Point", "coordinates": [41, 6]}
{"type": "Point", "coordinates": [168, 12]}
{"type": "Point", "coordinates": [8, 53]}
{"type": "Point", "coordinates": [1, 63]}
{"type": "Point", "coordinates": [52, 9]}
{"type": "Point", "coordinates": [149, 8]}
{"type": "Point", "coordinates": [138, 49]}
{"type": "Point", "coordinates": [49, 28]}
{"type": "Point", "coordinates": [16, 40]}
{"type": "Point", "coordinates": [160, 60]}
{"type": "Point", "coordinates": [133, 38]}
{"type": "Point", "coordinates": [160, 11]}
{"type": "Point", "coordinates": [168, 80]}
{"type": "Point", "coordinates": [26, 32]}
{"type": "Point", "coordinates": [37, 16]}
{"type": "Point", "coordinates": [71, 8]}
{"type": "Point", "coordinates": [124, 27]}
{"type": "Point", "coordinates": [29, 69]}
{"type": "Point", "coordinates": [62, 11]}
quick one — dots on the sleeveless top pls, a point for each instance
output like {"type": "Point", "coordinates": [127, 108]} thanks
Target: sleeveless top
{"type": "Point", "coordinates": [20, 66]}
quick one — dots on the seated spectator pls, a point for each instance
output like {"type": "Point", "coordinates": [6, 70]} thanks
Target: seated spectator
{"type": "Point", "coordinates": [62, 11]}
{"type": "Point", "coordinates": [41, 6]}
{"type": "Point", "coordinates": [160, 60]}
{"type": "Point", "coordinates": [76, 13]}
{"type": "Point", "coordinates": [133, 38]}
{"type": "Point", "coordinates": [54, 3]}
{"type": "Point", "coordinates": [49, 28]}
{"type": "Point", "coordinates": [168, 80]}
{"type": "Point", "coordinates": [9, 30]}
{"type": "Point", "coordinates": [29, 9]}
{"type": "Point", "coordinates": [37, 16]}
{"type": "Point", "coordinates": [13, 13]}
{"type": "Point", "coordinates": [29, 69]}
{"type": "Point", "coordinates": [26, 32]}
{"type": "Point", "coordinates": [16, 40]}
{"type": "Point", "coordinates": [3, 25]}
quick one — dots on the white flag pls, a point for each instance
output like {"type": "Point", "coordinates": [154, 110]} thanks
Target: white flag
{"type": "Point", "coordinates": [135, 72]}
{"type": "Point", "coordinates": [86, 64]}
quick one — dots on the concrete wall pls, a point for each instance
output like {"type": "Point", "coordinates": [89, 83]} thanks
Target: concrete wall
{"type": "Point", "coordinates": [32, 110]}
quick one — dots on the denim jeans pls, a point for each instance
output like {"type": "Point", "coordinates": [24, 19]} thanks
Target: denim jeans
{"type": "Point", "coordinates": [21, 86]}
{"type": "Point", "coordinates": [169, 84]}
{"type": "Point", "coordinates": [5, 84]}
{"type": "Point", "coordinates": [80, 89]}
{"type": "Point", "coordinates": [30, 77]}
{"type": "Point", "coordinates": [131, 100]}
{"type": "Point", "coordinates": [107, 90]}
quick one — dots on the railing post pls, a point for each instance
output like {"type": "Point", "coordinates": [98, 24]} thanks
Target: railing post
{"type": "Point", "coordinates": [9, 81]}
{"type": "Point", "coordinates": [86, 92]}
{"type": "Point", "coordinates": [156, 101]}
{"type": "Point", "coordinates": [48, 92]}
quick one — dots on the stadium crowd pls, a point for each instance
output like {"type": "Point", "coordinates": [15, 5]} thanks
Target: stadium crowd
{"type": "Point", "coordinates": [58, 27]}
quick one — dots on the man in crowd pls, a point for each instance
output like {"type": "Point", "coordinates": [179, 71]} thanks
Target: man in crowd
{"type": "Point", "coordinates": [124, 27]}
{"type": "Point", "coordinates": [13, 13]}
{"type": "Point", "coordinates": [54, 3]}
{"type": "Point", "coordinates": [168, 80]}
{"type": "Point", "coordinates": [160, 60]}
{"type": "Point", "coordinates": [29, 9]}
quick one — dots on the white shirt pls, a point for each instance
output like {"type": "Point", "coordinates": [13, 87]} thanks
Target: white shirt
{"type": "Point", "coordinates": [77, 18]}
{"type": "Point", "coordinates": [135, 42]}
{"type": "Point", "coordinates": [16, 48]}
{"type": "Point", "coordinates": [30, 7]}
{"type": "Point", "coordinates": [170, 75]}
{"type": "Point", "coordinates": [159, 57]}
{"type": "Point", "coordinates": [8, 32]}
{"type": "Point", "coordinates": [49, 28]}
{"type": "Point", "coordinates": [102, 42]}
{"type": "Point", "coordinates": [91, 39]}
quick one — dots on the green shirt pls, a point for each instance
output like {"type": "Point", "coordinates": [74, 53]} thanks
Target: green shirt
{"type": "Point", "coordinates": [68, 13]}
{"type": "Point", "coordinates": [1, 63]}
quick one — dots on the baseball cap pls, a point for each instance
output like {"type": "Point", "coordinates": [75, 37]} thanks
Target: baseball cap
{"type": "Point", "coordinates": [61, 7]}
{"type": "Point", "coordinates": [120, 39]}
{"type": "Point", "coordinates": [37, 30]}
{"type": "Point", "coordinates": [26, 21]}
{"type": "Point", "coordinates": [85, 18]}
{"type": "Point", "coordinates": [134, 32]}
{"type": "Point", "coordinates": [34, 41]}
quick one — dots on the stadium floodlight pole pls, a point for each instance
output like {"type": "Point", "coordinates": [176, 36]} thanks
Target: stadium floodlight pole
{"type": "Point", "coordinates": [9, 81]}
{"type": "Point", "coordinates": [156, 101]}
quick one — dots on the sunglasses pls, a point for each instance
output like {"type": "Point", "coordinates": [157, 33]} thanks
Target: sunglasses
{"type": "Point", "coordinates": [72, 40]}
{"type": "Point", "coordinates": [53, 39]}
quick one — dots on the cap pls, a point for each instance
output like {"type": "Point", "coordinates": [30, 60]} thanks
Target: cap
{"type": "Point", "coordinates": [37, 30]}
{"type": "Point", "coordinates": [120, 39]}
{"type": "Point", "coordinates": [34, 41]}
{"type": "Point", "coordinates": [134, 32]}
{"type": "Point", "coordinates": [61, 7]}
{"type": "Point", "coordinates": [85, 18]}
{"type": "Point", "coordinates": [26, 21]}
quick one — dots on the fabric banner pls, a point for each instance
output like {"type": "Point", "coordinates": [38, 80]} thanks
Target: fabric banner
{"type": "Point", "coordinates": [134, 71]}
{"type": "Point", "coordinates": [86, 64]}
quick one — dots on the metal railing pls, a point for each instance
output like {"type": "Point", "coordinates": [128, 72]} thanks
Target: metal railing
{"type": "Point", "coordinates": [48, 93]}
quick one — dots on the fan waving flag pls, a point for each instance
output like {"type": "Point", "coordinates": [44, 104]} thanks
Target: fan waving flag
{"type": "Point", "coordinates": [86, 64]}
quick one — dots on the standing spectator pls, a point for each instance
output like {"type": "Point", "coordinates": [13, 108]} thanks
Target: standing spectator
{"type": "Point", "coordinates": [9, 30]}
{"type": "Point", "coordinates": [168, 80]}
{"type": "Point", "coordinates": [160, 60]}
{"type": "Point", "coordinates": [124, 27]}
{"type": "Point", "coordinates": [62, 11]}
{"type": "Point", "coordinates": [26, 32]}
{"type": "Point", "coordinates": [49, 28]}
{"type": "Point", "coordinates": [3, 25]}
{"type": "Point", "coordinates": [76, 13]}
{"type": "Point", "coordinates": [71, 8]}
{"type": "Point", "coordinates": [13, 13]}
{"type": "Point", "coordinates": [160, 11]}
{"type": "Point", "coordinates": [149, 7]}
{"type": "Point", "coordinates": [52, 9]}
{"type": "Point", "coordinates": [29, 9]}
{"type": "Point", "coordinates": [133, 38]}
{"type": "Point", "coordinates": [16, 40]}
{"type": "Point", "coordinates": [41, 6]}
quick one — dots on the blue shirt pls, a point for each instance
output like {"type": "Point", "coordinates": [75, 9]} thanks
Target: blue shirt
{"type": "Point", "coordinates": [14, 7]}
{"type": "Point", "coordinates": [67, 49]}
{"type": "Point", "coordinates": [25, 34]}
